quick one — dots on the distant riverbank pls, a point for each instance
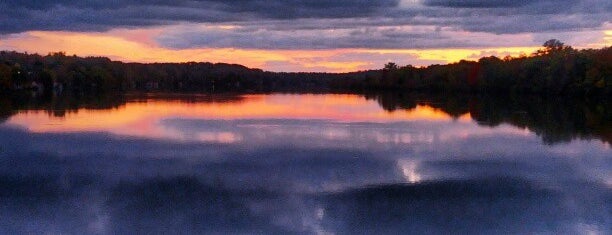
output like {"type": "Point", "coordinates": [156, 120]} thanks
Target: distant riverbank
{"type": "Point", "coordinates": [556, 69]}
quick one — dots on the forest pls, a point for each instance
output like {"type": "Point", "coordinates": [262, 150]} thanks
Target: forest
{"type": "Point", "coordinates": [554, 69]}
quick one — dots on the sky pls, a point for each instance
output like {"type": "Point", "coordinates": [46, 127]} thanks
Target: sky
{"type": "Point", "coordinates": [301, 35]}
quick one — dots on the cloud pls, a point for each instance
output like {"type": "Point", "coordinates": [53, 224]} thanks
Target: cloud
{"type": "Point", "coordinates": [348, 36]}
{"type": "Point", "coordinates": [478, 3]}
{"type": "Point", "coordinates": [269, 38]}
{"type": "Point", "coordinates": [315, 25]}
{"type": "Point", "coordinates": [473, 15]}
{"type": "Point", "coordinates": [97, 15]}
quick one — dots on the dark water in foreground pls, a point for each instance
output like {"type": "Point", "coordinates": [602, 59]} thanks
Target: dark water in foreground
{"type": "Point", "coordinates": [322, 164]}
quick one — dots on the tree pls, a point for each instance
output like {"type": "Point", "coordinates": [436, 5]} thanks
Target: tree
{"type": "Point", "coordinates": [552, 46]}
{"type": "Point", "coordinates": [390, 76]}
{"type": "Point", "coordinates": [5, 77]}
{"type": "Point", "coordinates": [391, 66]}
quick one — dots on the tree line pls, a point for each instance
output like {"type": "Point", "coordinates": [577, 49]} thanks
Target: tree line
{"type": "Point", "coordinates": [58, 71]}
{"type": "Point", "coordinates": [555, 69]}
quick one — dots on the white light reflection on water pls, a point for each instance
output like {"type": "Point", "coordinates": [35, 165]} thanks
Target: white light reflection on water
{"type": "Point", "coordinates": [410, 170]}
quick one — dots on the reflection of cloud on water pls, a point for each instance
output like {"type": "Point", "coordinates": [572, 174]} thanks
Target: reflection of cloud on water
{"type": "Point", "coordinates": [328, 133]}
{"type": "Point", "coordinates": [410, 170]}
{"type": "Point", "coordinates": [292, 176]}
{"type": "Point", "coordinates": [188, 204]}
{"type": "Point", "coordinates": [220, 137]}
{"type": "Point", "coordinates": [490, 206]}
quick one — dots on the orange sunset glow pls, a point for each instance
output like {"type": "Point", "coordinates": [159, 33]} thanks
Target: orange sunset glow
{"type": "Point", "coordinates": [137, 46]}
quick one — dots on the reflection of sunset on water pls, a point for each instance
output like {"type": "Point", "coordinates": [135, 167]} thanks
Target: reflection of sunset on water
{"type": "Point", "coordinates": [140, 118]}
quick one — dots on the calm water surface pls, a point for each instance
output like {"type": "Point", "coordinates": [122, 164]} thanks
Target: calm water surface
{"type": "Point", "coordinates": [305, 164]}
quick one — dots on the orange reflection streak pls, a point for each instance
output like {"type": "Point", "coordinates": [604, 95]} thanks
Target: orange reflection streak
{"type": "Point", "coordinates": [142, 118]}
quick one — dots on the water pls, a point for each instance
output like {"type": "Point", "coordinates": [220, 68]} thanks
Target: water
{"type": "Point", "coordinates": [305, 164]}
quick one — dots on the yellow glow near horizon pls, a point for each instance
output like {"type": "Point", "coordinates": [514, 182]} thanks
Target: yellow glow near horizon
{"type": "Point", "coordinates": [136, 45]}
{"type": "Point", "coordinates": [450, 55]}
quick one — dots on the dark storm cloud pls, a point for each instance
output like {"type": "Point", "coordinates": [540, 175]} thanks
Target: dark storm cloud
{"type": "Point", "coordinates": [96, 15]}
{"type": "Point", "coordinates": [267, 6]}
{"type": "Point", "coordinates": [300, 8]}
{"type": "Point", "coordinates": [478, 3]}
{"type": "Point", "coordinates": [280, 24]}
